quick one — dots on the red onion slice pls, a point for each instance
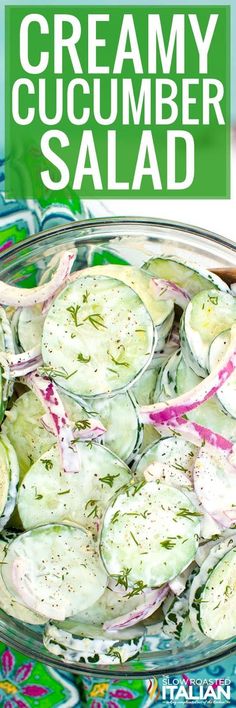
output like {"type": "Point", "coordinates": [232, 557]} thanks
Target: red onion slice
{"type": "Point", "coordinates": [25, 297]}
{"type": "Point", "coordinates": [152, 599]}
{"type": "Point", "coordinates": [196, 434]}
{"type": "Point", "coordinates": [59, 421]}
{"type": "Point", "coordinates": [207, 388]}
{"type": "Point", "coordinates": [95, 430]}
{"type": "Point", "coordinates": [227, 518]}
{"type": "Point", "coordinates": [25, 362]}
{"type": "Point", "coordinates": [166, 290]}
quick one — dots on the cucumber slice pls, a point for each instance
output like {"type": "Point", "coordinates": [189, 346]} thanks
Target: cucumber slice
{"type": "Point", "coordinates": [150, 435]}
{"type": "Point", "coordinates": [9, 477]}
{"type": "Point", "coordinates": [176, 614]}
{"type": "Point", "coordinates": [208, 314]}
{"type": "Point", "coordinates": [154, 625]}
{"type": "Point", "coordinates": [226, 394]}
{"type": "Point", "coordinates": [54, 570]}
{"type": "Point", "coordinates": [192, 278]}
{"type": "Point", "coordinates": [212, 598]}
{"type": "Point", "coordinates": [217, 609]}
{"type": "Point", "coordinates": [205, 546]}
{"type": "Point", "coordinates": [163, 473]}
{"type": "Point", "coordinates": [25, 430]}
{"type": "Point", "coordinates": [209, 414]}
{"type": "Point", "coordinates": [161, 312]}
{"type": "Point", "coordinates": [191, 363]}
{"type": "Point", "coordinates": [163, 330]}
{"type": "Point", "coordinates": [166, 382]}
{"type": "Point", "coordinates": [47, 495]}
{"type": "Point", "coordinates": [149, 534]}
{"type": "Point", "coordinates": [144, 389]}
{"type": "Point", "coordinates": [119, 416]}
{"type": "Point", "coordinates": [9, 604]}
{"type": "Point", "coordinates": [97, 648]}
{"type": "Point", "coordinates": [30, 327]}
{"type": "Point", "coordinates": [166, 362]}
{"type": "Point", "coordinates": [174, 450]}
{"type": "Point", "coordinates": [186, 378]}
{"type": "Point", "coordinates": [108, 607]}
{"type": "Point", "coordinates": [98, 335]}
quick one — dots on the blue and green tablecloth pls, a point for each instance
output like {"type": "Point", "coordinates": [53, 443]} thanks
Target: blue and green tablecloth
{"type": "Point", "coordinates": [25, 683]}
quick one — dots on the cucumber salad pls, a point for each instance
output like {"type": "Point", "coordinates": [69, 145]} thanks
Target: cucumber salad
{"type": "Point", "coordinates": [118, 456]}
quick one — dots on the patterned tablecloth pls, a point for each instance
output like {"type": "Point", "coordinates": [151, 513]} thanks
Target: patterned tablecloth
{"type": "Point", "coordinates": [25, 683]}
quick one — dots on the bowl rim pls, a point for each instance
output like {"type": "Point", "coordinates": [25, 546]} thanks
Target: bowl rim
{"type": "Point", "coordinates": [92, 670]}
{"type": "Point", "coordinates": [86, 224]}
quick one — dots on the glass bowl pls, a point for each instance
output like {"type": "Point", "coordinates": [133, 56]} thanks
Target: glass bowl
{"type": "Point", "coordinates": [103, 240]}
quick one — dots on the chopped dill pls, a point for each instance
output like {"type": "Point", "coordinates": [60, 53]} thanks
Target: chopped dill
{"type": "Point", "coordinates": [92, 503]}
{"type": "Point", "coordinates": [109, 479]}
{"type": "Point", "coordinates": [96, 320]}
{"type": "Point", "coordinates": [122, 579]}
{"type": "Point", "coordinates": [83, 359]}
{"type": "Point", "coordinates": [134, 539]}
{"type": "Point", "coordinates": [85, 296]}
{"type": "Point", "coordinates": [117, 362]}
{"type": "Point", "coordinates": [138, 587]}
{"type": "Point", "coordinates": [187, 514]}
{"type": "Point", "coordinates": [74, 313]}
{"type": "Point", "coordinates": [168, 543]}
{"type": "Point", "coordinates": [48, 464]}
